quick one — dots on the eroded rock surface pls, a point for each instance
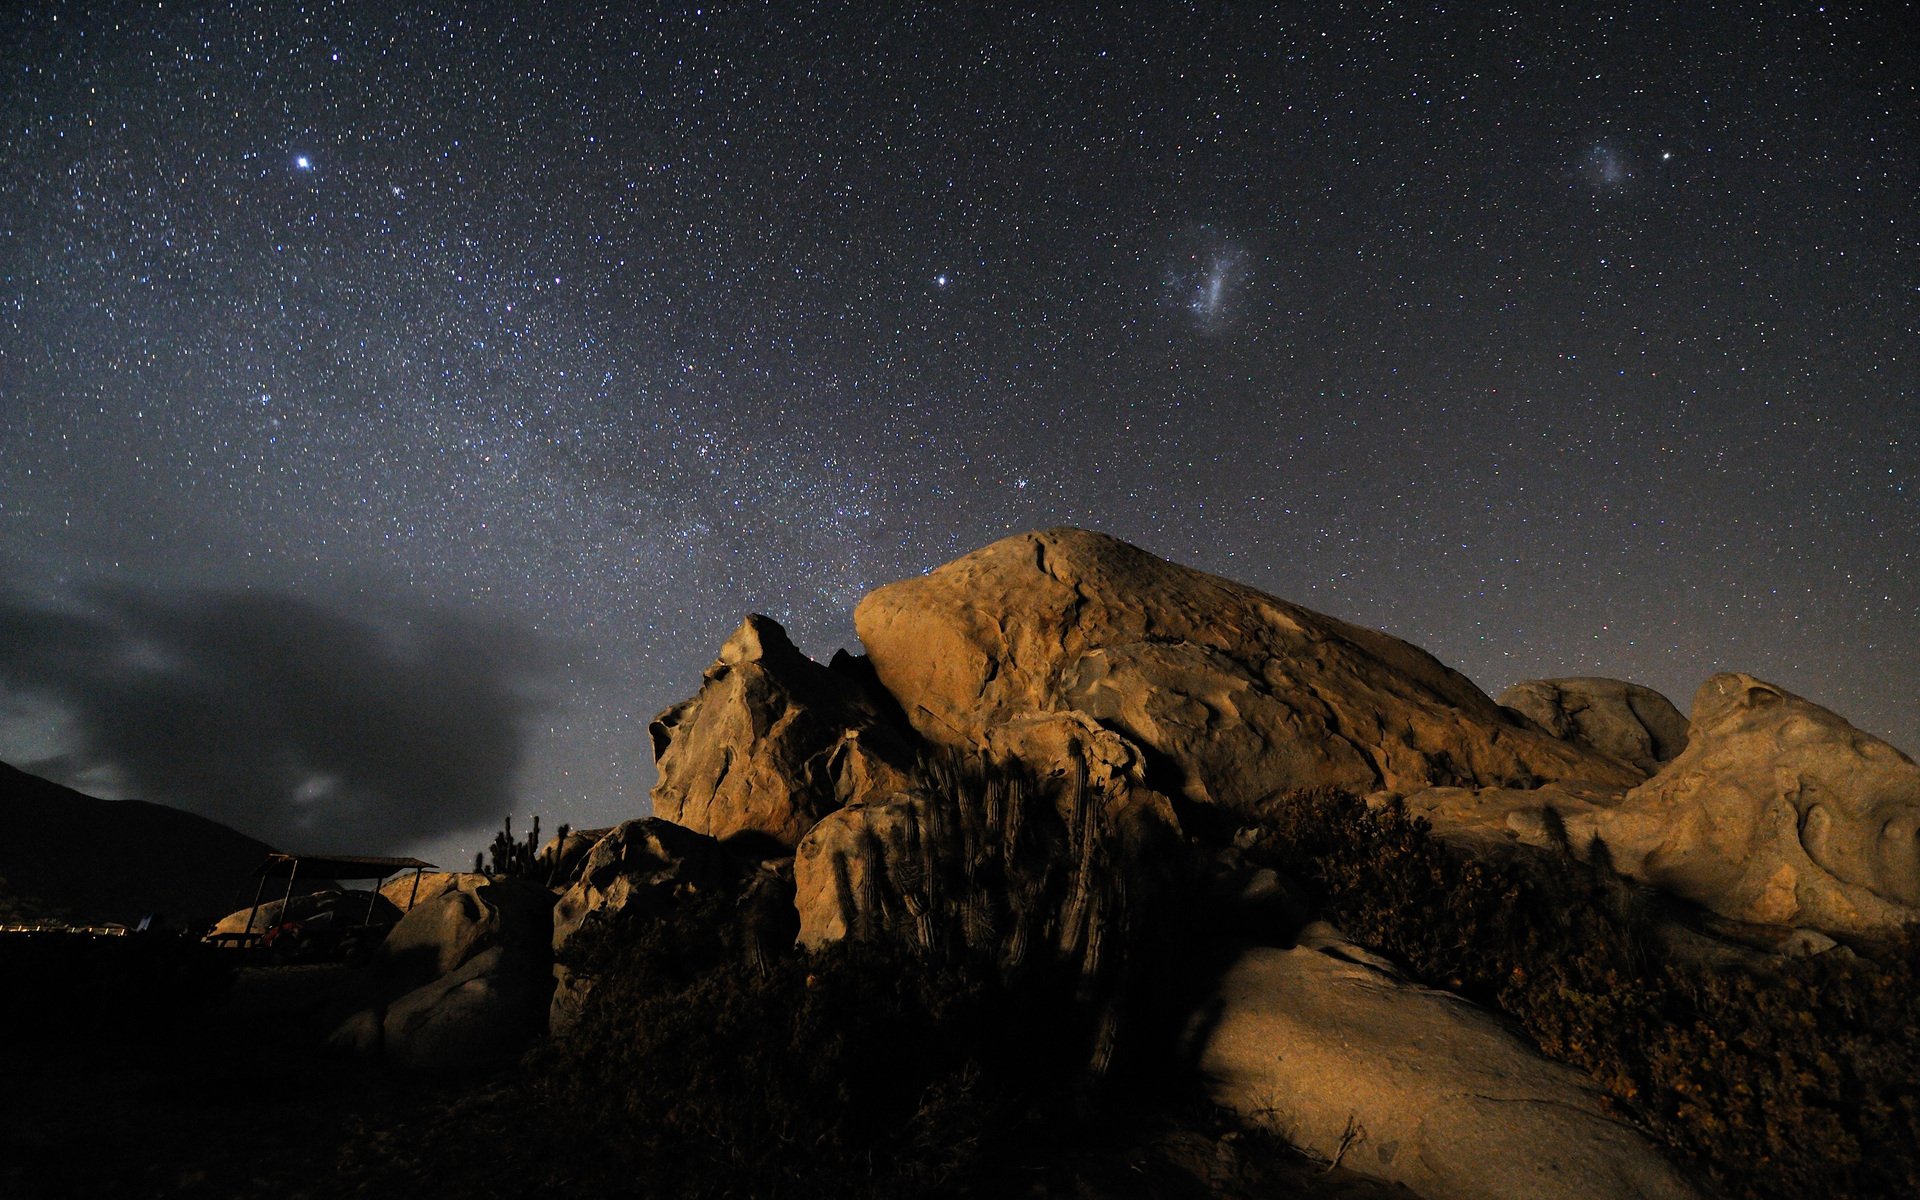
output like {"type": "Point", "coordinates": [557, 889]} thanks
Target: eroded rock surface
{"type": "Point", "coordinates": [639, 866]}
{"type": "Point", "coordinates": [1231, 694]}
{"type": "Point", "coordinates": [461, 981]}
{"type": "Point", "coordinates": [1329, 1047]}
{"type": "Point", "coordinates": [1778, 812]}
{"type": "Point", "coordinates": [773, 742]}
{"type": "Point", "coordinates": [1622, 720]}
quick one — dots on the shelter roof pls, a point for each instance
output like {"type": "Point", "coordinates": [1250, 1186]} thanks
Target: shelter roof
{"type": "Point", "coordinates": [336, 866]}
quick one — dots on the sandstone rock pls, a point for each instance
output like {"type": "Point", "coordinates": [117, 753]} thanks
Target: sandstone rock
{"type": "Point", "coordinates": [641, 863]}
{"type": "Point", "coordinates": [1778, 812]}
{"type": "Point", "coordinates": [1621, 720]}
{"type": "Point", "coordinates": [1231, 695]}
{"type": "Point", "coordinates": [404, 895]}
{"type": "Point", "coordinates": [1076, 867]}
{"type": "Point", "coordinates": [1329, 1047]}
{"type": "Point", "coordinates": [562, 857]}
{"type": "Point", "coordinates": [841, 869]}
{"type": "Point", "coordinates": [461, 980]}
{"type": "Point", "coordinates": [639, 866]}
{"type": "Point", "coordinates": [772, 742]}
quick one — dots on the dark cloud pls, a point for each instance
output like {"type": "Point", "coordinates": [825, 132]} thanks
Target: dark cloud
{"type": "Point", "coordinates": [300, 724]}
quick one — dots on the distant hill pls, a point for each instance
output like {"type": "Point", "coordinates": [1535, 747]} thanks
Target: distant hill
{"type": "Point", "coordinates": [65, 854]}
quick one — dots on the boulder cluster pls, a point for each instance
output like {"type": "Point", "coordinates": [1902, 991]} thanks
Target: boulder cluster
{"type": "Point", "coordinates": [1169, 707]}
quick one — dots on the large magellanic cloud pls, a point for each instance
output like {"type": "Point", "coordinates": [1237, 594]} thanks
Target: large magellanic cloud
{"type": "Point", "coordinates": [308, 726]}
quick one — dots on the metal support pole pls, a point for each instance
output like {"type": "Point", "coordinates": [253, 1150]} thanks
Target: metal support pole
{"type": "Point", "coordinates": [414, 894]}
{"type": "Point", "coordinates": [256, 901]}
{"type": "Point", "coordinates": [293, 873]}
{"type": "Point", "coordinates": [371, 897]}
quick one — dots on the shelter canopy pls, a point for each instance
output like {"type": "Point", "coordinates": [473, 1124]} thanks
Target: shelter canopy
{"type": "Point", "coordinates": [336, 866]}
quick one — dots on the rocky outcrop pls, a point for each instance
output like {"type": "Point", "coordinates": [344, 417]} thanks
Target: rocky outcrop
{"type": "Point", "coordinates": [1622, 720]}
{"type": "Point", "coordinates": [1047, 784]}
{"type": "Point", "coordinates": [1330, 1048]}
{"type": "Point", "coordinates": [1230, 694]}
{"type": "Point", "coordinates": [461, 982]}
{"type": "Point", "coordinates": [1778, 812]}
{"type": "Point", "coordinates": [641, 864]}
{"type": "Point", "coordinates": [773, 742]}
{"type": "Point", "coordinates": [565, 853]}
{"type": "Point", "coordinates": [405, 892]}
{"type": "Point", "coordinates": [639, 867]}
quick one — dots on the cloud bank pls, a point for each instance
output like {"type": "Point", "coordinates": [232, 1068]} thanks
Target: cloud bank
{"type": "Point", "coordinates": [304, 725]}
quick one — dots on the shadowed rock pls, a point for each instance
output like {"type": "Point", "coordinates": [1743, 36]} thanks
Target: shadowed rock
{"type": "Point", "coordinates": [1622, 720]}
{"type": "Point", "coordinates": [461, 981]}
{"type": "Point", "coordinates": [639, 866]}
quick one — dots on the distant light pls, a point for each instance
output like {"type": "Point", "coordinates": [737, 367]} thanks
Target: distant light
{"type": "Point", "coordinates": [304, 163]}
{"type": "Point", "coordinates": [939, 281]}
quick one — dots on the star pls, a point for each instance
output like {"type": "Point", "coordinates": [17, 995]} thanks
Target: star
{"type": "Point", "coordinates": [303, 162]}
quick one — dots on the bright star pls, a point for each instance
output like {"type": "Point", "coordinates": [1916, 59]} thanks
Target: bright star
{"type": "Point", "coordinates": [939, 281]}
{"type": "Point", "coordinates": [304, 163]}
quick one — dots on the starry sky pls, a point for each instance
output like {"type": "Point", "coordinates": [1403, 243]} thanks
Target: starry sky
{"type": "Point", "coordinates": [399, 404]}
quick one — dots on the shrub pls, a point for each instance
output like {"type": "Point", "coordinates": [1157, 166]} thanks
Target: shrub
{"type": "Point", "coordinates": [1799, 1081]}
{"type": "Point", "coordinates": [861, 1070]}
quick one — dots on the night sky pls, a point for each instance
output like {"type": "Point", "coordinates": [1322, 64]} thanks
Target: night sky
{"type": "Point", "coordinates": [399, 403]}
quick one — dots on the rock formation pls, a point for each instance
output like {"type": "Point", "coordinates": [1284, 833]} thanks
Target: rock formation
{"type": "Point", "coordinates": [1329, 1047]}
{"type": "Point", "coordinates": [1622, 720]}
{"type": "Point", "coordinates": [462, 980]}
{"type": "Point", "coordinates": [1778, 812]}
{"type": "Point", "coordinates": [639, 866]}
{"type": "Point", "coordinates": [1231, 695]}
{"type": "Point", "coordinates": [772, 742]}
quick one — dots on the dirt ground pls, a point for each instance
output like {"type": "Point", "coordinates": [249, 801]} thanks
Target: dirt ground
{"type": "Point", "coordinates": [240, 1100]}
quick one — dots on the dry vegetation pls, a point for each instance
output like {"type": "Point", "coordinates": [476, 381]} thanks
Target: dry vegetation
{"type": "Point", "coordinates": [1796, 1081]}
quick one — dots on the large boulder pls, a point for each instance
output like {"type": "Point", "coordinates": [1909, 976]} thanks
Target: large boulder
{"type": "Point", "coordinates": [773, 741]}
{"type": "Point", "coordinates": [1058, 853]}
{"type": "Point", "coordinates": [1330, 1048]}
{"type": "Point", "coordinates": [461, 981]}
{"type": "Point", "coordinates": [565, 853]}
{"type": "Point", "coordinates": [639, 867]}
{"type": "Point", "coordinates": [1778, 812]}
{"type": "Point", "coordinates": [320, 910]}
{"type": "Point", "coordinates": [407, 891]}
{"type": "Point", "coordinates": [643, 864]}
{"type": "Point", "coordinates": [1622, 720]}
{"type": "Point", "coordinates": [1232, 695]}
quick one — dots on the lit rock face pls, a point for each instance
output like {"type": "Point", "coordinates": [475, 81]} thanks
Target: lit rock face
{"type": "Point", "coordinates": [462, 981]}
{"type": "Point", "coordinates": [885, 857]}
{"type": "Point", "coordinates": [1777, 812]}
{"type": "Point", "coordinates": [773, 742]}
{"type": "Point", "coordinates": [1230, 694]}
{"type": "Point", "coordinates": [1622, 720]}
{"type": "Point", "coordinates": [1327, 1046]}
